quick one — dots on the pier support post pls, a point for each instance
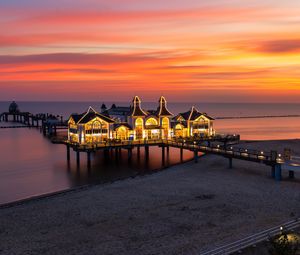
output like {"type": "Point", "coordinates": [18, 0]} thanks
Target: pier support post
{"type": "Point", "coordinates": [138, 152]}
{"type": "Point", "coordinates": [163, 154]}
{"type": "Point", "coordinates": [77, 158]}
{"type": "Point", "coordinates": [147, 152]}
{"type": "Point", "coordinates": [291, 174]}
{"type": "Point", "coordinates": [230, 163]}
{"type": "Point", "coordinates": [117, 154]}
{"type": "Point", "coordinates": [68, 153]}
{"type": "Point", "coordinates": [89, 160]}
{"type": "Point", "coordinates": [278, 172]}
{"type": "Point", "coordinates": [129, 154]}
{"type": "Point", "coordinates": [106, 155]}
{"type": "Point", "coordinates": [181, 154]}
{"type": "Point", "coordinates": [196, 156]}
{"type": "Point", "coordinates": [273, 172]}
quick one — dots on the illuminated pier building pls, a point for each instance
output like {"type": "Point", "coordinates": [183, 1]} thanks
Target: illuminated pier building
{"type": "Point", "coordinates": [135, 123]}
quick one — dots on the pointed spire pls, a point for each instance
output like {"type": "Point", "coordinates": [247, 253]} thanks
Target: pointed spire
{"type": "Point", "coordinates": [163, 110]}
{"type": "Point", "coordinates": [103, 108]}
{"type": "Point", "coordinates": [137, 109]}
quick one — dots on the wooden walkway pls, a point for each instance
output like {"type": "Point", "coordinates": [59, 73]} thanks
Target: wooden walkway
{"type": "Point", "coordinates": [48, 123]}
{"type": "Point", "coordinates": [214, 146]}
{"type": "Point", "coordinates": [229, 151]}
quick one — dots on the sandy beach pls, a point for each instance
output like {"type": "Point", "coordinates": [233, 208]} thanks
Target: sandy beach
{"type": "Point", "coordinates": [185, 209]}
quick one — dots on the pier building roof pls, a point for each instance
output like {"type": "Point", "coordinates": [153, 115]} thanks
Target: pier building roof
{"type": "Point", "coordinates": [192, 115]}
{"type": "Point", "coordinates": [89, 115]}
{"type": "Point", "coordinates": [162, 110]}
{"type": "Point", "coordinates": [136, 110]}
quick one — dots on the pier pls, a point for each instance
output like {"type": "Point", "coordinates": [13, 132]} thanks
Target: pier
{"type": "Point", "coordinates": [47, 123]}
{"type": "Point", "coordinates": [221, 146]}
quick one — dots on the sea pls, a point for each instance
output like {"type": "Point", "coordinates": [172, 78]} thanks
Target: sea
{"type": "Point", "coordinates": [30, 165]}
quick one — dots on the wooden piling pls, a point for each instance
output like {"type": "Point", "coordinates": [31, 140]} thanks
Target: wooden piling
{"type": "Point", "coordinates": [291, 174]}
{"type": "Point", "coordinates": [181, 154]}
{"type": "Point", "coordinates": [163, 154]}
{"type": "Point", "coordinates": [230, 163]}
{"type": "Point", "coordinates": [129, 153]}
{"type": "Point", "coordinates": [88, 160]}
{"type": "Point", "coordinates": [196, 156]}
{"type": "Point", "coordinates": [77, 158]}
{"type": "Point", "coordinates": [273, 171]}
{"type": "Point", "coordinates": [278, 172]}
{"type": "Point", "coordinates": [68, 153]}
{"type": "Point", "coordinates": [138, 152]}
{"type": "Point", "coordinates": [147, 152]}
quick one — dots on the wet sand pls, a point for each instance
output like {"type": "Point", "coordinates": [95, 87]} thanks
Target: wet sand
{"type": "Point", "coordinates": [185, 209]}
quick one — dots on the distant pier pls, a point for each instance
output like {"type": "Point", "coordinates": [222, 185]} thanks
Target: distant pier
{"type": "Point", "coordinates": [47, 123]}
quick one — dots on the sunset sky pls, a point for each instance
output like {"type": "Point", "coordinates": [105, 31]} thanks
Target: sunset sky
{"type": "Point", "coordinates": [191, 50]}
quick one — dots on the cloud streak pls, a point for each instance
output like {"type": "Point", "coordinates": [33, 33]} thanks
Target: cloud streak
{"type": "Point", "coordinates": [191, 48]}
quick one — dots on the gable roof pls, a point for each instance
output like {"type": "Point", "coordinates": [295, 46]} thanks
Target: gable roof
{"type": "Point", "coordinates": [192, 115]}
{"type": "Point", "coordinates": [76, 117]}
{"type": "Point", "coordinates": [89, 115]}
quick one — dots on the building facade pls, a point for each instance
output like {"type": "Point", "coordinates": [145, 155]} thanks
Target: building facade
{"type": "Point", "coordinates": [193, 124]}
{"type": "Point", "coordinates": [136, 123]}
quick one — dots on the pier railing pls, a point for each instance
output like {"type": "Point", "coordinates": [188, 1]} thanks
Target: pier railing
{"type": "Point", "coordinates": [227, 151]}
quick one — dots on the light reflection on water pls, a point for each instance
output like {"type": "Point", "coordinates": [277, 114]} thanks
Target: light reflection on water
{"type": "Point", "coordinates": [31, 165]}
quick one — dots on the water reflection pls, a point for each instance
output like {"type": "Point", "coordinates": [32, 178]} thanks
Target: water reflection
{"type": "Point", "coordinates": [30, 165]}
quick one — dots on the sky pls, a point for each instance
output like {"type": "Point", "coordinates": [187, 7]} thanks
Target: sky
{"type": "Point", "coordinates": [191, 50]}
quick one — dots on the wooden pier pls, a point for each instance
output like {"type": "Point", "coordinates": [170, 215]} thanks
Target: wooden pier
{"type": "Point", "coordinates": [221, 147]}
{"type": "Point", "coordinates": [47, 123]}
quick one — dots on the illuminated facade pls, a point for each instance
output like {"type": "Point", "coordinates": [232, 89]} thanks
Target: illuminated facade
{"type": "Point", "coordinates": [135, 123]}
{"type": "Point", "coordinates": [90, 127]}
{"type": "Point", "coordinates": [151, 124]}
{"type": "Point", "coordinates": [193, 124]}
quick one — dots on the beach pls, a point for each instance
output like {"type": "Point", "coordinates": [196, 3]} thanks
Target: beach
{"type": "Point", "coordinates": [184, 209]}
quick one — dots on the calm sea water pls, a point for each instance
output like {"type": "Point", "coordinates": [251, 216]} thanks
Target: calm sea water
{"type": "Point", "coordinates": [30, 165]}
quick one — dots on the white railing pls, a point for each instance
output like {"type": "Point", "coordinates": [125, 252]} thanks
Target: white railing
{"type": "Point", "coordinates": [253, 239]}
